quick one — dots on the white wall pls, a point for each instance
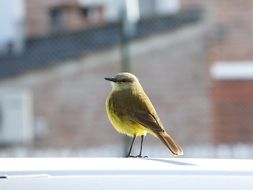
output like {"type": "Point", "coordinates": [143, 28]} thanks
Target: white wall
{"type": "Point", "coordinates": [167, 6]}
{"type": "Point", "coordinates": [12, 17]}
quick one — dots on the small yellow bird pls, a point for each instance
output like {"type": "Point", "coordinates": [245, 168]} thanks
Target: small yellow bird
{"type": "Point", "coordinates": [131, 112]}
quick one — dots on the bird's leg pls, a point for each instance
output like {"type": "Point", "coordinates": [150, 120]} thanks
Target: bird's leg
{"type": "Point", "coordinates": [140, 154]}
{"type": "Point", "coordinates": [129, 153]}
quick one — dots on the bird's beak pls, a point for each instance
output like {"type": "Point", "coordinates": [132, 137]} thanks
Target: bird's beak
{"type": "Point", "coordinates": [111, 79]}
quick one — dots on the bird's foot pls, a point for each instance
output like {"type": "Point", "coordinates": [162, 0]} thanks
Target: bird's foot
{"type": "Point", "coordinates": [140, 156]}
{"type": "Point", "coordinates": [137, 156]}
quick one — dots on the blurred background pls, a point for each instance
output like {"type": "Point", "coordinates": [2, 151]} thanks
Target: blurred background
{"type": "Point", "coordinates": [193, 58]}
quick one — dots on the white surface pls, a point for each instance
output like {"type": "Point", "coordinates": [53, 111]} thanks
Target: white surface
{"type": "Point", "coordinates": [242, 70]}
{"type": "Point", "coordinates": [15, 104]}
{"type": "Point", "coordinates": [123, 173]}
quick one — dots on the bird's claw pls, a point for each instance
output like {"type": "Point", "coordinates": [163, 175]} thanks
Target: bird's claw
{"type": "Point", "coordinates": [137, 156]}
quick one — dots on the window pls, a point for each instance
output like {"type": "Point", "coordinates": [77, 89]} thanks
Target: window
{"type": "Point", "coordinates": [92, 13]}
{"type": "Point", "coordinates": [57, 19]}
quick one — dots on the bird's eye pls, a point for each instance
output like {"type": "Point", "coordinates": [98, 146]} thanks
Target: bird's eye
{"type": "Point", "coordinates": [123, 80]}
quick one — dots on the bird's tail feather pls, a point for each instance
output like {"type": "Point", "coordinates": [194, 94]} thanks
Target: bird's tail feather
{"type": "Point", "coordinates": [170, 143]}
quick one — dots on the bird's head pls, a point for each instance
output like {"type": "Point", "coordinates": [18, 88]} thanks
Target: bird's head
{"type": "Point", "coordinates": [123, 81]}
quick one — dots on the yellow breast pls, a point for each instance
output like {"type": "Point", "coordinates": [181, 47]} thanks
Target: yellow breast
{"type": "Point", "coordinates": [122, 124]}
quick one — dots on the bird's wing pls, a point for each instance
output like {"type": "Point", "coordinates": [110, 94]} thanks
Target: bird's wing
{"type": "Point", "coordinates": [148, 120]}
{"type": "Point", "coordinates": [139, 109]}
{"type": "Point", "coordinates": [142, 112]}
{"type": "Point", "coordinates": [152, 122]}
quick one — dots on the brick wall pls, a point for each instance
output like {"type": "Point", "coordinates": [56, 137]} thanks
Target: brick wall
{"type": "Point", "coordinates": [233, 110]}
{"type": "Point", "coordinates": [232, 33]}
{"type": "Point", "coordinates": [231, 28]}
{"type": "Point", "coordinates": [38, 15]}
{"type": "Point", "coordinates": [38, 20]}
{"type": "Point", "coordinates": [230, 39]}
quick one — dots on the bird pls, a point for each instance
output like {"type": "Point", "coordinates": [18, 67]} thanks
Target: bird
{"type": "Point", "coordinates": [131, 112]}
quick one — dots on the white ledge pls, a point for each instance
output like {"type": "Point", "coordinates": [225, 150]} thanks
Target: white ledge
{"type": "Point", "coordinates": [232, 70]}
{"type": "Point", "coordinates": [125, 173]}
